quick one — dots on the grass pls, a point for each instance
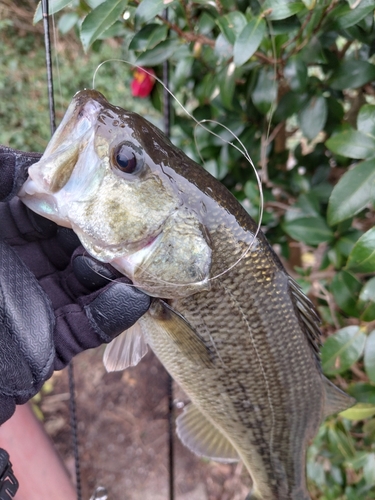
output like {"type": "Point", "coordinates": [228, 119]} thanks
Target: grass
{"type": "Point", "coordinates": [24, 112]}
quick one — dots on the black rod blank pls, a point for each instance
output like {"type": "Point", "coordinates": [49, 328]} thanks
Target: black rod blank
{"type": "Point", "coordinates": [47, 44]}
{"type": "Point", "coordinates": [167, 131]}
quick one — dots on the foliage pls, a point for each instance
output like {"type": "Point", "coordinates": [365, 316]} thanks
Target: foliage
{"type": "Point", "coordinates": [293, 80]}
{"type": "Point", "coordinates": [24, 117]}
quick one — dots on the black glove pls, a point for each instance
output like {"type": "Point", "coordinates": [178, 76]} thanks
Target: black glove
{"type": "Point", "coordinates": [55, 300]}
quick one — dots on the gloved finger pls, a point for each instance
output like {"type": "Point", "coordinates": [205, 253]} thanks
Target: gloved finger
{"type": "Point", "coordinates": [116, 309]}
{"type": "Point", "coordinates": [98, 318]}
{"type": "Point", "coordinates": [40, 243]}
{"type": "Point", "coordinates": [26, 326]}
{"type": "Point", "coordinates": [14, 165]}
{"type": "Point", "coordinates": [7, 408]}
{"type": "Point", "coordinates": [91, 273]}
{"type": "Point", "coordinates": [79, 278]}
{"type": "Point", "coordinates": [19, 224]}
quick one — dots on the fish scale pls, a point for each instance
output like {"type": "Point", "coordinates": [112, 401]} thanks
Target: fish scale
{"type": "Point", "coordinates": [226, 320]}
{"type": "Point", "coordinates": [247, 370]}
{"type": "Point", "coordinates": [244, 373]}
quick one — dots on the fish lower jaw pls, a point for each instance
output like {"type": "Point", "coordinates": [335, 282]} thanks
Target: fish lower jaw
{"type": "Point", "coordinates": [45, 206]}
{"type": "Point", "coordinates": [129, 263]}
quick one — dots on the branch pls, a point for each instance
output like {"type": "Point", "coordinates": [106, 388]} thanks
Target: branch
{"type": "Point", "coordinates": [204, 40]}
{"type": "Point", "coordinates": [187, 35]}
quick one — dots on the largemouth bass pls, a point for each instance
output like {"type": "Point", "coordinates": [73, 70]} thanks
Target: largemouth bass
{"type": "Point", "coordinates": [227, 321]}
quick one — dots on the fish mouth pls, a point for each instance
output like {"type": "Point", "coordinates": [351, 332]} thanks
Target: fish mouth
{"type": "Point", "coordinates": [126, 257]}
{"type": "Point", "coordinates": [43, 191]}
{"type": "Point", "coordinates": [54, 169]}
{"type": "Point", "coordinates": [127, 264]}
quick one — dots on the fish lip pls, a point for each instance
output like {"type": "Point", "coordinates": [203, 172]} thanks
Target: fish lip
{"type": "Point", "coordinates": [142, 244]}
{"type": "Point", "coordinates": [124, 250]}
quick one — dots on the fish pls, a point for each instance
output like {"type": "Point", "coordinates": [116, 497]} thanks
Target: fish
{"type": "Point", "coordinates": [227, 321]}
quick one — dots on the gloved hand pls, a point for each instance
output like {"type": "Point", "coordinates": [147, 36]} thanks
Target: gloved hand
{"type": "Point", "coordinates": [55, 300]}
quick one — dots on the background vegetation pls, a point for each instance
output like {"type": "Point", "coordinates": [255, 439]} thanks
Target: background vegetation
{"type": "Point", "coordinates": [294, 80]}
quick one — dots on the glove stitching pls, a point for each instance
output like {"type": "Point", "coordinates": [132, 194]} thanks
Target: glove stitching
{"type": "Point", "coordinates": [104, 337]}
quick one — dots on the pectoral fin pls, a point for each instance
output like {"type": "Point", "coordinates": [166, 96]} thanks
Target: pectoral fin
{"type": "Point", "coordinates": [336, 400]}
{"type": "Point", "coordinates": [202, 437]}
{"type": "Point", "coordinates": [125, 350]}
{"type": "Point", "coordinates": [178, 330]}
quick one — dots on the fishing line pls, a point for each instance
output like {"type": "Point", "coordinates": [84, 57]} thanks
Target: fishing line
{"type": "Point", "coordinates": [242, 150]}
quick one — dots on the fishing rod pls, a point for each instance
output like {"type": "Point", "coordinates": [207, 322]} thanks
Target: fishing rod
{"type": "Point", "coordinates": [101, 492]}
{"type": "Point", "coordinates": [52, 116]}
{"type": "Point", "coordinates": [167, 131]}
{"type": "Point", "coordinates": [47, 46]}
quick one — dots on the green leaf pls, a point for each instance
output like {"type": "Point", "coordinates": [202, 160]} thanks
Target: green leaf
{"type": "Point", "coordinates": [148, 9]}
{"type": "Point", "coordinates": [227, 85]}
{"type": "Point", "coordinates": [347, 241]}
{"type": "Point", "coordinates": [366, 301]}
{"type": "Point", "coordinates": [344, 16]}
{"type": "Point", "coordinates": [282, 9]}
{"type": "Point", "coordinates": [149, 36]}
{"type": "Point", "coordinates": [362, 257]}
{"type": "Point", "coordinates": [100, 19]}
{"type": "Point", "coordinates": [358, 461]}
{"type": "Point", "coordinates": [341, 442]}
{"type": "Point", "coordinates": [223, 48]}
{"type": "Point", "coordinates": [53, 7]}
{"type": "Point", "coordinates": [363, 392]}
{"type": "Point", "coordinates": [307, 206]}
{"type": "Point", "coordinates": [352, 74]}
{"type": "Point", "coordinates": [289, 104]}
{"type": "Point", "coordinates": [360, 411]}
{"type": "Point", "coordinates": [205, 24]}
{"type": "Point", "coordinates": [295, 73]}
{"type": "Point", "coordinates": [158, 54]}
{"type": "Point", "coordinates": [369, 355]}
{"type": "Point", "coordinates": [117, 29]}
{"type": "Point", "coordinates": [345, 288]}
{"type": "Point", "coordinates": [352, 143]}
{"type": "Point", "coordinates": [265, 91]}
{"type": "Point", "coordinates": [231, 25]}
{"type": "Point", "coordinates": [67, 21]}
{"type": "Point", "coordinates": [369, 429]}
{"type": "Point", "coordinates": [342, 349]}
{"type": "Point", "coordinates": [369, 470]}
{"type": "Point", "coordinates": [312, 118]}
{"type": "Point", "coordinates": [310, 230]}
{"type": "Point", "coordinates": [248, 40]}
{"type": "Point", "coordinates": [352, 193]}
{"type": "Point", "coordinates": [309, 4]}
{"type": "Point", "coordinates": [366, 119]}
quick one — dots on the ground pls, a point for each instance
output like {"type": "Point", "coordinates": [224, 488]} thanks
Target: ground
{"type": "Point", "coordinates": [123, 435]}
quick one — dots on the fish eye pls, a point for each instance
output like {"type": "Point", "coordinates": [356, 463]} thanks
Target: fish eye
{"type": "Point", "coordinates": [127, 159]}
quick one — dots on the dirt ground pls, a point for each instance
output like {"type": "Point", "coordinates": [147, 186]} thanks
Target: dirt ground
{"type": "Point", "coordinates": [123, 435]}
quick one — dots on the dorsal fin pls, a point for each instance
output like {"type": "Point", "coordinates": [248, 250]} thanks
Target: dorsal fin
{"type": "Point", "coordinates": [203, 438]}
{"type": "Point", "coordinates": [336, 400]}
{"type": "Point", "coordinates": [309, 317]}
